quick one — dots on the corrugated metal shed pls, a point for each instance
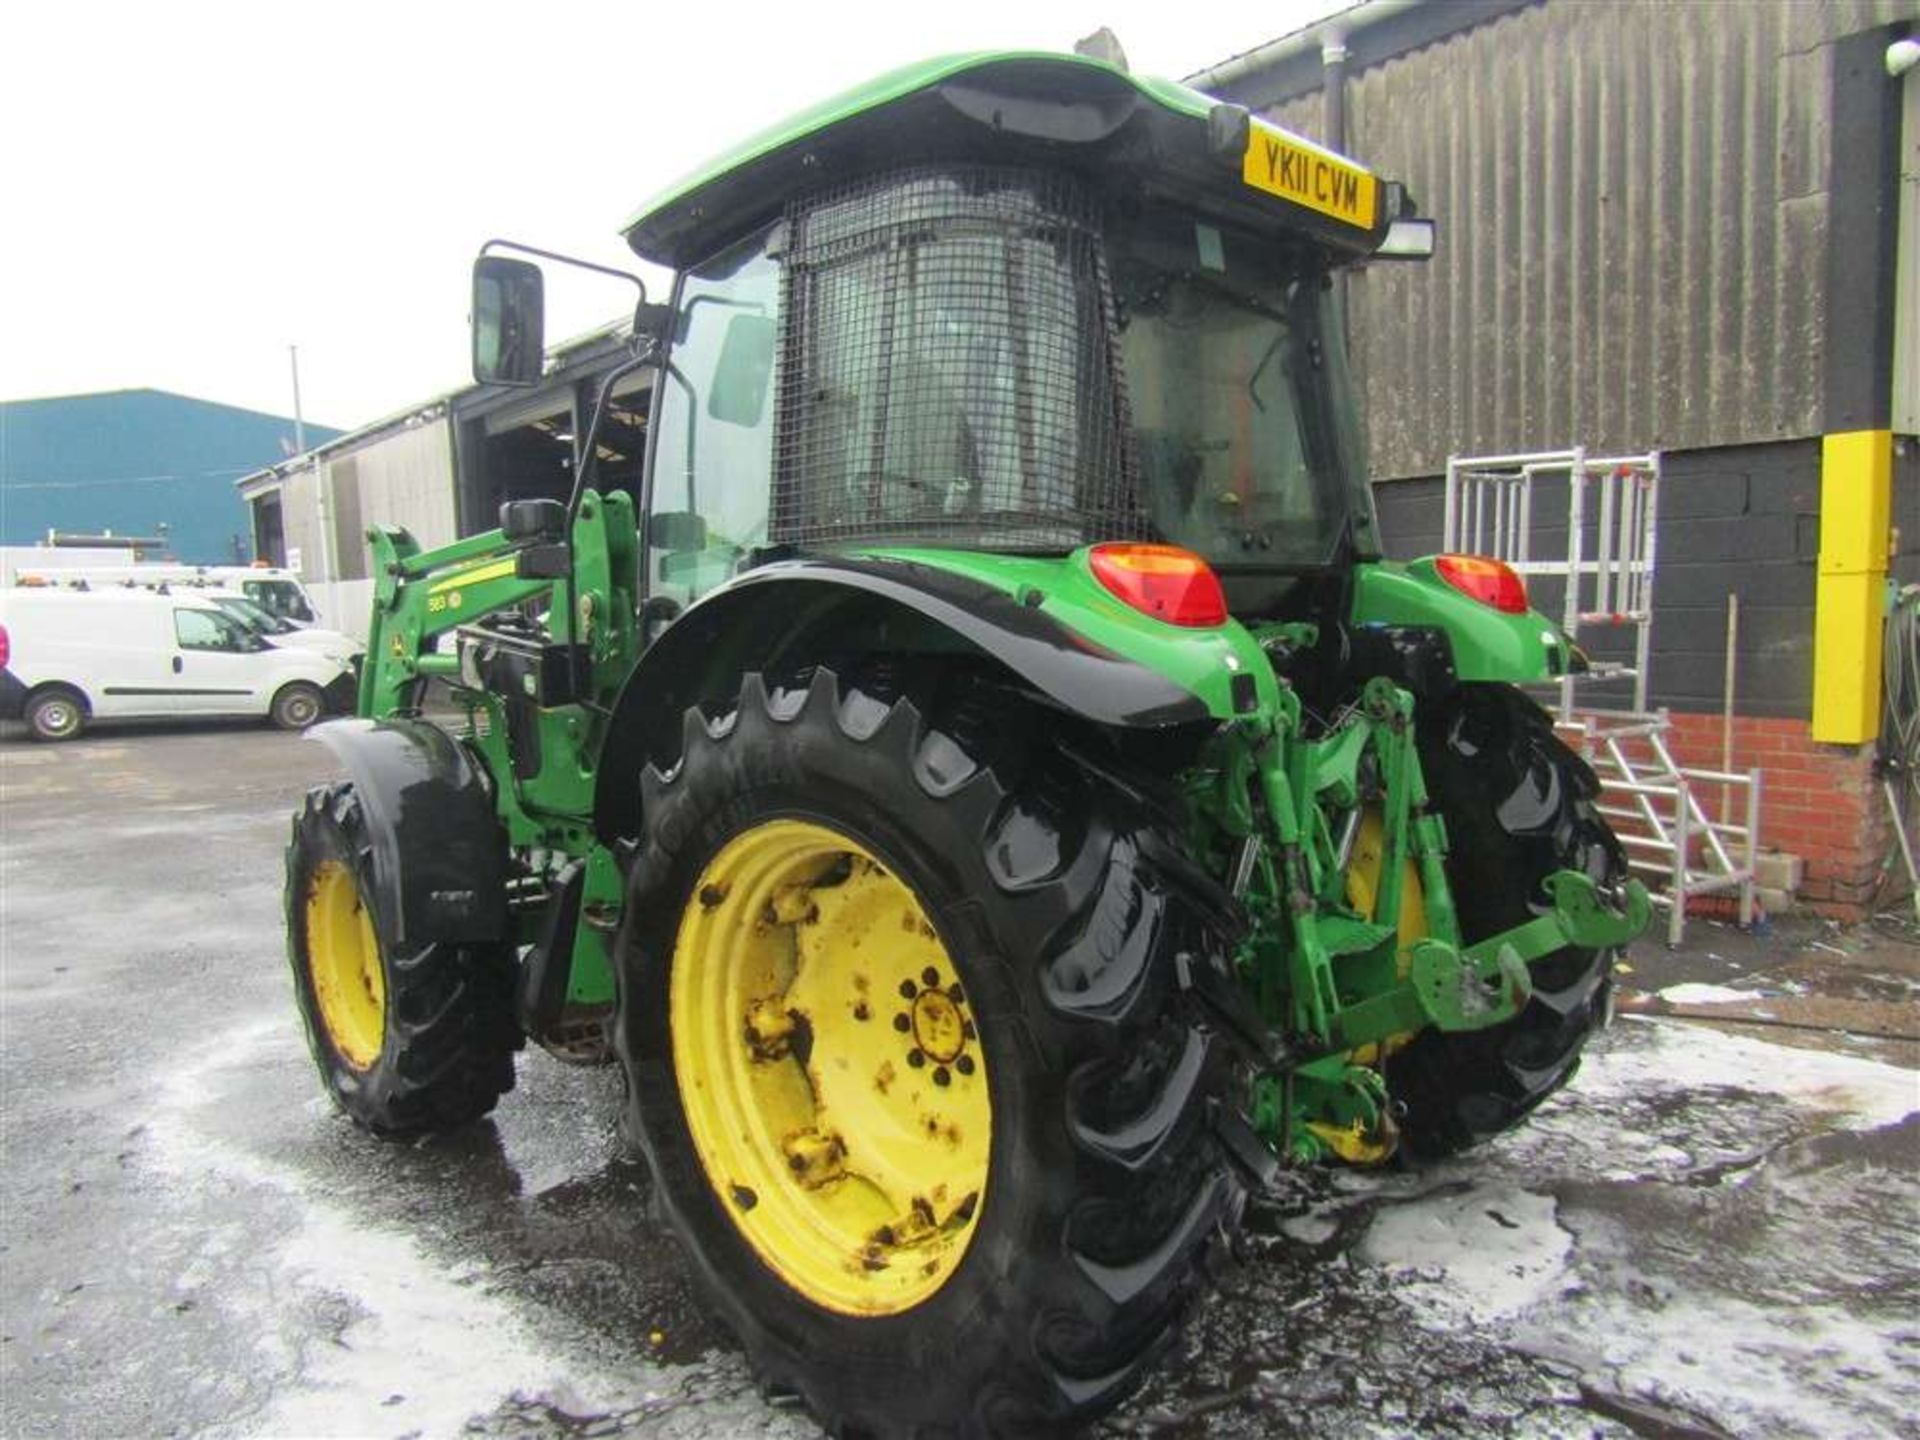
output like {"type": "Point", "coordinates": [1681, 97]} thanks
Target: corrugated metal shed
{"type": "Point", "coordinates": [1634, 218]}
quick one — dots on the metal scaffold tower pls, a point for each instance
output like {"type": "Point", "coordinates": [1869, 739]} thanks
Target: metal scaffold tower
{"type": "Point", "coordinates": [1659, 807]}
{"type": "Point", "coordinates": [1490, 511]}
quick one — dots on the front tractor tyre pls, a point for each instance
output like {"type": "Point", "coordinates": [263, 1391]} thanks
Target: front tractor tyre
{"type": "Point", "coordinates": [407, 1041]}
{"type": "Point", "coordinates": [910, 1062]}
{"type": "Point", "coordinates": [1518, 805]}
{"type": "Point", "coordinates": [55, 713]}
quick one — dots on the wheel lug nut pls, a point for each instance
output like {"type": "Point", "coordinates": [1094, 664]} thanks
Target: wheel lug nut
{"type": "Point", "coordinates": [956, 994]}
{"type": "Point", "coordinates": [940, 1076]}
{"type": "Point", "coordinates": [916, 1059]}
{"type": "Point", "coordinates": [966, 1029]}
{"type": "Point", "coordinates": [964, 1064]}
{"type": "Point", "coordinates": [902, 1023]}
{"type": "Point", "coordinates": [908, 990]}
{"type": "Point", "coordinates": [930, 977]}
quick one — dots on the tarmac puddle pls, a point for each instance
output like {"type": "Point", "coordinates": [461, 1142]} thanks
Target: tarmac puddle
{"type": "Point", "coordinates": [1708, 1235]}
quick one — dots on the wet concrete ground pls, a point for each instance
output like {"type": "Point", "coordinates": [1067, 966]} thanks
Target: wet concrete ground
{"type": "Point", "coordinates": [1712, 1233]}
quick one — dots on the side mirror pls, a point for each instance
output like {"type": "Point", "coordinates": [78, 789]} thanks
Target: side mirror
{"type": "Point", "coordinates": [654, 322]}
{"type": "Point", "coordinates": [509, 321]}
{"type": "Point", "coordinates": [744, 372]}
{"type": "Point", "coordinates": [676, 531]}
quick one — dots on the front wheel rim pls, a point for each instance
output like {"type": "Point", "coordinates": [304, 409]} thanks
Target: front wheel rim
{"type": "Point", "coordinates": [343, 960]}
{"type": "Point", "coordinates": [58, 718]}
{"type": "Point", "coordinates": [829, 1070]}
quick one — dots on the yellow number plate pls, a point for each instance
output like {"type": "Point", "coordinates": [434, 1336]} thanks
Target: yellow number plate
{"type": "Point", "coordinates": [1284, 165]}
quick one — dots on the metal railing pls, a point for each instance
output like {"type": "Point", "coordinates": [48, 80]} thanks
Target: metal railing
{"type": "Point", "coordinates": [1655, 806]}
{"type": "Point", "coordinates": [1613, 502]}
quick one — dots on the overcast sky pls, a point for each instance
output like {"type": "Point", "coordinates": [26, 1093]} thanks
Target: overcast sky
{"type": "Point", "coordinates": [189, 188]}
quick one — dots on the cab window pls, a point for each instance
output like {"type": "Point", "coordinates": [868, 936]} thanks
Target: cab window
{"type": "Point", "coordinates": [713, 465]}
{"type": "Point", "coordinates": [209, 630]}
{"type": "Point", "coordinates": [279, 598]}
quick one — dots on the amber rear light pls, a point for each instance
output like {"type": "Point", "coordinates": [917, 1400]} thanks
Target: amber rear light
{"type": "Point", "coordinates": [1163, 581]}
{"type": "Point", "coordinates": [1491, 582]}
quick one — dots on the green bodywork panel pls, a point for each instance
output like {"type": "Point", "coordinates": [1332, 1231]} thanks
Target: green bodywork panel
{"type": "Point", "coordinates": [1488, 644]}
{"type": "Point", "coordinates": [1202, 661]}
{"type": "Point", "coordinates": [881, 91]}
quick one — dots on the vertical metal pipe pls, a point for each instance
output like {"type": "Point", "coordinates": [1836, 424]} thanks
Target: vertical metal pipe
{"type": "Point", "coordinates": [1677, 886]}
{"type": "Point", "coordinates": [1606, 546]}
{"type": "Point", "coordinates": [299, 425]}
{"type": "Point", "coordinates": [1450, 507]}
{"type": "Point", "coordinates": [1726, 703]}
{"type": "Point", "coordinates": [1333, 80]}
{"type": "Point", "coordinates": [1650, 527]}
{"type": "Point", "coordinates": [1333, 95]}
{"type": "Point", "coordinates": [1576, 522]}
{"type": "Point", "coordinates": [1526, 514]}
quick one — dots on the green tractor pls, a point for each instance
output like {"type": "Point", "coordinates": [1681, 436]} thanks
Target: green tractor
{"type": "Point", "coordinates": [982, 780]}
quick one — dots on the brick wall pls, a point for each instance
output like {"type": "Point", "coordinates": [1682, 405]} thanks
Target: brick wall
{"type": "Point", "coordinates": [1817, 801]}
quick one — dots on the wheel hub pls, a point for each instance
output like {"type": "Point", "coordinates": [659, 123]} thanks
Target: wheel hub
{"type": "Point", "coordinates": [937, 1026]}
{"type": "Point", "coordinates": [829, 1068]}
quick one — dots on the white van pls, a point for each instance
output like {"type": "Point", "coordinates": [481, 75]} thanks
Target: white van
{"type": "Point", "coordinates": [278, 592]}
{"type": "Point", "coordinates": [277, 631]}
{"type": "Point", "coordinates": [68, 657]}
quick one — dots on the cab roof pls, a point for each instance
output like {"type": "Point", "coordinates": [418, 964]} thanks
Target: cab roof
{"type": "Point", "coordinates": [1025, 107]}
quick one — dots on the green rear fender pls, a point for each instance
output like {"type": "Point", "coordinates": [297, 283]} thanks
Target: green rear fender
{"type": "Point", "coordinates": [1487, 644]}
{"type": "Point", "coordinates": [1048, 621]}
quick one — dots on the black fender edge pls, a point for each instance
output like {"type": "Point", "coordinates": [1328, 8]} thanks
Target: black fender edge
{"type": "Point", "coordinates": [439, 853]}
{"type": "Point", "coordinates": [808, 609]}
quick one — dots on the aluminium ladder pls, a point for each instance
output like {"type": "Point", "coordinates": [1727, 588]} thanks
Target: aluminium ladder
{"type": "Point", "coordinates": [1490, 511]}
{"type": "Point", "coordinates": [1655, 803]}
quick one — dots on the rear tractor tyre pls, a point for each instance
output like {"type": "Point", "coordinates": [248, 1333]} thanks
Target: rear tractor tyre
{"type": "Point", "coordinates": [1518, 805]}
{"type": "Point", "coordinates": [296, 705]}
{"type": "Point", "coordinates": [909, 1061]}
{"type": "Point", "coordinates": [55, 713]}
{"type": "Point", "coordinates": [406, 1042]}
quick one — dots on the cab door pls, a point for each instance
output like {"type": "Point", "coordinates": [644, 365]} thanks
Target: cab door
{"type": "Point", "coordinates": [216, 665]}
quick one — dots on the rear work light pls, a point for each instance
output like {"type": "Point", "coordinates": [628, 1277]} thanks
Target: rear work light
{"type": "Point", "coordinates": [1163, 581]}
{"type": "Point", "coordinates": [1491, 582]}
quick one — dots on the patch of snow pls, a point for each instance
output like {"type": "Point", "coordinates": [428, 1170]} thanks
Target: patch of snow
{"type": "Point", "coordinates": [1311, 1229]}
{"type": "Point", "coordinates": [1484, 1255]}
{"type": "Point", "coordinates": [1692, 1057]}
{"type": "Point", "coordinates": [1694, 993]}
{"type": "Point", "coordinates": [370, 1335]}
{"type": "Point", "coordinates": [1753, 1279]}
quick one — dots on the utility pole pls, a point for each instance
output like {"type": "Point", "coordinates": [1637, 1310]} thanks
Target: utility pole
{"type": "Point", "coordinates": [322, 501]}
{"type": "Point", "coordinates": [299, 426]}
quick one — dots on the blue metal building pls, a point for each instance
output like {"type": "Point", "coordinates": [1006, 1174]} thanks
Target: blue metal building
{"type": "Point", "coordinates": [132, 461]}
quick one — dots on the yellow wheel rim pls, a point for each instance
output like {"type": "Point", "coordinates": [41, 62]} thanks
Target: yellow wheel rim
{"type": "Point", "coordinates": [343, 957]}
{"type": "Point", "coordinates": [829, 1069]}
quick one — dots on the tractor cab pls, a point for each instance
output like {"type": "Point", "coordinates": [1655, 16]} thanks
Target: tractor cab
{"type": "Point", "coordinates": [1019, 304]}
